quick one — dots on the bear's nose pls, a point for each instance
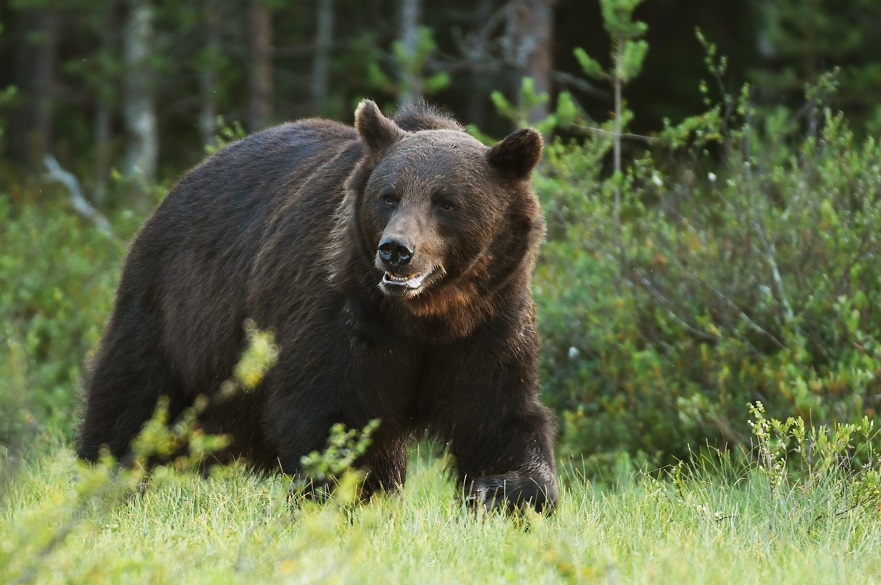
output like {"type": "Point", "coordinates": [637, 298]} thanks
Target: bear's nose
{"type": "Point", "coordinates": [394, 253]}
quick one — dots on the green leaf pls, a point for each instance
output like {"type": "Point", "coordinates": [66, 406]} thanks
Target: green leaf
{"type": "Point", "coordinates": [437, 82]}
{"type": "Point", "coordinates": [590, 66]}
{"type": "Point", "coordinates": [501, 103]}
{"type": "Point", "coordinates": [632, 59]}
{"type": "Point", "coordinates": [567, 111]}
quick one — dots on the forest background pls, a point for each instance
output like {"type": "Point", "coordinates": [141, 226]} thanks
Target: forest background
{"type": "Point", "coordinates": [712, 197]}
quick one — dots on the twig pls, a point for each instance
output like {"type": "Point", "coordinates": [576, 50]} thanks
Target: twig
{"type": "Point", "coordinates": [616, 143]}
{"type": "Point", "coordinates": [587, 87]}
{"type": "Point", "coordinates": [788, 314]}
{"type": "Point", "coordinates": [635, 277]}
{"type": "Point", "coordinates": [648, 139]}
{"type": "Point", "coordinates": [855, 506]}
{"type": "Point", "coordinates": [701, 335]}
{"type": "Point", "coordinates": [743, 316]}
{"type": "Point", "coordinates": [80, 204]}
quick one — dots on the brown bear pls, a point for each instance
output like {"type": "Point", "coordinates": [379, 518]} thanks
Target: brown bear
{"type": "Point", "coordinates": [392, 261]}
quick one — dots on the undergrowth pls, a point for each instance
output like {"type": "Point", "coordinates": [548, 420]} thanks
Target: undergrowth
{"type": "Point", "coordinates": [730, 258]}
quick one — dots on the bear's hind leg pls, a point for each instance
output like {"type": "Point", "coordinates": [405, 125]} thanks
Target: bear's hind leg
{"type": "Point", "coordinates": [385, 465]}
{"type": "Point", "coordinates": [122, 395]}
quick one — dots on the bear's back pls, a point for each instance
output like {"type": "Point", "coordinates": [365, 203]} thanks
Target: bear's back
{"type": "Point", "coordinates": [260, 168]}
{"type": "Point", "coordinates": [200, 247]}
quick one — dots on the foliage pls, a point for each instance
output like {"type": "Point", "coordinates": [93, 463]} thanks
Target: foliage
{"type": "Point", "coordinates": [171, 450]}
{"type": "Point", "coordinates": [201, 58]}
{"type": "Point", "coordinates": [182, 441]}
{"type": "Point", "coordinates": [799, 461]}
{"type": "Point", "coordinates": [741, 265]}
{"type": "Point", "coordinates": [344, 447]}
{"type": "Point", "coordinates": [100, 490]}
{"type": "Point", "coordinates": [58, 277]}
{"type": "Point", "coordinates": [801, 39]}
{"type": "Point", "coordinates": [226, 134]}
{"type": "Point", "coordinates": [564, 116]}
{"type": "Point", "coordinates": [411, 67]}
{"type": "Point", "coordinates": [745, 268]}
{"type": "Point", "coordinates": [259, 356]}
{"type": "Point", "coordinates": [628, 49]}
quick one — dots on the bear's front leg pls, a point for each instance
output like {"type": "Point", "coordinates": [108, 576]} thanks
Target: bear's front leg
{"type": "Point", "coordinates": [511, 464]}
{"type": "Point", "coordinates": [512, 491]}
{"type": "Point", "coordinates": [484, 400]}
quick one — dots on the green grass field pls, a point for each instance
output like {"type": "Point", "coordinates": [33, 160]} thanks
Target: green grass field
{"type": "Point", "coordinates": [719, 523]}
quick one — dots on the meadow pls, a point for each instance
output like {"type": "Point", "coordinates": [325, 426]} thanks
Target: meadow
{"type": "Point", "coordinates": [712, 521]}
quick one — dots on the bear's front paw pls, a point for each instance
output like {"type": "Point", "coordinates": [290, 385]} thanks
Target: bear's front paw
{"type": "Point", "coordinates": [512, 492]}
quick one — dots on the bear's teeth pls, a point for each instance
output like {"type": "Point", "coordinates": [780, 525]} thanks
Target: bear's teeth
{"type": "Point", "coordinates": [416, 280]}
{"type": "Point", "coordinates": [390, 276]}
{"type": "Point", "coordinates": [413, 281]}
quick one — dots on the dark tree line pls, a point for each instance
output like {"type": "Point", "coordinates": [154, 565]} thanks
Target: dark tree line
{"type": "Point", "coordinates": [137, 85]}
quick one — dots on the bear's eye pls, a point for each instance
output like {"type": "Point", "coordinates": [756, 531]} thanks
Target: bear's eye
{"type": "Point", "coordinates": [389, 199]}
{"type": "Point", "coordinates": [447, 205]}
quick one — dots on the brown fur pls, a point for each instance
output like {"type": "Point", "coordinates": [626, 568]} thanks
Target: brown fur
{"type": "Point", "coordinates": [393, 263]}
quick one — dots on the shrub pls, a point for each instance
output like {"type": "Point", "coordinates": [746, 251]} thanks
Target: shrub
{"type": "Point", "coordinates": [58, 278]}
{"type": "Point", "coordinates": [747, 267]}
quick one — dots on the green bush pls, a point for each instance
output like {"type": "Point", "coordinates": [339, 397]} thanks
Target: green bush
{"type": "Point", "coordinates": [58, 276]}
{"type": "Point", "coordinates": [747, 267]}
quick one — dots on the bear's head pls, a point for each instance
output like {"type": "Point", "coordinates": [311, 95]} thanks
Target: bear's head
{"type": "Point", "coordinates": [442, 217]}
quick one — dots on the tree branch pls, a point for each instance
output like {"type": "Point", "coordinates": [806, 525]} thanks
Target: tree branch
{"type": "Point", "coordinates": [80, 204]}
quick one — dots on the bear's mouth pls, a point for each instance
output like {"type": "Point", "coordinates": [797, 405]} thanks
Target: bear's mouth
{"type": "Point", "coordinates": [408, 285]}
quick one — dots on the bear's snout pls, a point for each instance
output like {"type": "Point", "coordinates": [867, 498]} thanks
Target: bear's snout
{"type": "Point", "coordinates": [403, 275]}
{"type": "Point", "coordinates": [394, 252]}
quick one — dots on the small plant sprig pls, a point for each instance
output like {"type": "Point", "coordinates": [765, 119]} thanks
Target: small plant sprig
{"type": "Point", "coordinates": [226, 134]}
{"type": "Point", "coordinates": [344, 446]}
{"type": "Point", "coordinates": [259, 356]}
{"type": "Point", "coordinates": [715, 124]}
{"type": "Point", "coordinates": [567, 113]}
{"type": "Point", "coordinates": [183, 442]}
{"type": "Point", "coordinates": [159, 438]}
{"type": "Point", "coordinates": [803, 460]}
{"type": "Point", "coordinates": [771, 445]}
{"type": "Point", "coordinates": [334, 464]}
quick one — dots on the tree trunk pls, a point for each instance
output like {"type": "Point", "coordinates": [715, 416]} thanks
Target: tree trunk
{"type": "Point", "coordinates": [534, 25]}
{"type": "Point", "coordinates": [139, 110]}
{"type": "Point", "coordinates": [411, 78]}
{"type": "Point", "coordinates": [208, 72]}
{"type": "Point", "coordinates": [104, 102]}
{"type": "Point", "coordinates": [103, 113]}
{"type": "Point", "coordinates": [480, 85]}
{"type": "Point", "coordinates": [36, 69]}
{"type": "Point", "coordinates": [321, 62]}
{"type": "Point", "coordinates": [260, 82]}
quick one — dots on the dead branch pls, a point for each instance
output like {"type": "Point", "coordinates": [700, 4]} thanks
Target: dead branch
{"type": "Point", "coordinates": [80, 204]}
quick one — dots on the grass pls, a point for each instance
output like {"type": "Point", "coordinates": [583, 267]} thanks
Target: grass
{"type": "Point", "coordinates": [720, 523]}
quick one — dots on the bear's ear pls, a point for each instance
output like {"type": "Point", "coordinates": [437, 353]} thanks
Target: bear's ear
{"type": "Point", "coordinates": [517, 154]}
{"type": "Point", "coordinates": [376, 131]}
